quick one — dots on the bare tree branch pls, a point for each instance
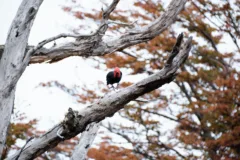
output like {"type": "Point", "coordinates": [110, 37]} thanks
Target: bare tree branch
{"type": "Point", "coordinates": [129, 54]}
{"type": "Point", "coordinates": [46, 41]}
{"type": "Point", "coordinates": [137, 150]}
{"type": "Point", "coordinates": [159, 114]}
{"type": "Point", "coordinates": [23, 147]}
{"type": "Point", "coordinates": [150, 100]}
{"type": "Point", "coordinates": [122, 23]}
{"type": "Point", "coordinates": [85, 142]}
{"type": "Point", "coordinates": [76, 122]}
{"type": "Point", "coordinates": [160, 143]}
{"type": "Point", "coordinates": [94, 45]}
{"type": "Point", "coordinates": [109, 10]}
{"type": "Point", "coordinates": [14, 61]}
{"type": "Point", "coordinates": [100, 32]}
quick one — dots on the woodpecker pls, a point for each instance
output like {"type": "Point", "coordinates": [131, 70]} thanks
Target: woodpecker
{"type": "Point", "coordinates": [114, 77]}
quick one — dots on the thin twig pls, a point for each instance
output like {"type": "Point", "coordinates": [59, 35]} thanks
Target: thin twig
{"type": "Point", "coordinates": [129, 54]}
{"type": "Point", "coordinates": [160, 143]}
{"type": "Point", "coordinates": [109, 10]}
{"type": "Point", "coordinates": [23, 148]}
{"type": "Point", "coordinates": [159, 114]}
{"type": "Point", "coordinates": [149, 100]}
{"type": "Point", "coordinates": [129, 140]}
{"type": "Point", "coordinates": [122, 23]}
{"type": "Point", "coordinates": [170, 148]}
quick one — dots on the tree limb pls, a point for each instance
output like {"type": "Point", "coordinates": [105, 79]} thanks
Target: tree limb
{"type": "Point", "coordinates": [85, 142]}
{"type": "Point", "coordinates": [109, 10]}
{"type": "Point", "coordinates": [23, 147]}
{"type": "Point", "coordinates": [76, 122]}
{"type": "Point", "coordinates": [93, 45]}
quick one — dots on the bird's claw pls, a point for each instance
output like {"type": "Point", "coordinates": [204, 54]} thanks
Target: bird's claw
{"type": "Point", "coordinates": [111, 87]}
{"type": "Point", "coordinates": [117, 86]}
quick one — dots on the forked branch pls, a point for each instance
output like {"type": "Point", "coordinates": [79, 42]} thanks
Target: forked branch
{"type": "Point", "coordinates": [76, 122]}
{"type": "Point", "coordinates": [93, 45]}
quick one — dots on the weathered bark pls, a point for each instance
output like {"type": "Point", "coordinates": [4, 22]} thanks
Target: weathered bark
{"type": "Point", "coordinates": [85, 142]}
{"type": "Point", "coordinates": [14, 61]}
{"type": "Point", "coordinates": [76, 122]}
{"type": "Point", "coordinates": [92, 44]}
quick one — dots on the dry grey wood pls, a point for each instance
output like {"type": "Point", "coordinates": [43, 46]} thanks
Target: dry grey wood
{"type": "Point", "coordinates": [93, 45]}
{"type": "Point", "coordinates": [86, 139]}
{"type": "Point", "coordinates": [14, 61]}
{"type": "Point", "coordinates": [75, 122]}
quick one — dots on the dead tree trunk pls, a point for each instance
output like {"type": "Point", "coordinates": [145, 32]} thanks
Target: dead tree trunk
{"type": "Point", "coordinates": [14, 61]}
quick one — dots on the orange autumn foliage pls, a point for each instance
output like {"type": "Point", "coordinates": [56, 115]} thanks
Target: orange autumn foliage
{"type": "Point", "coordinates": [111, 152]}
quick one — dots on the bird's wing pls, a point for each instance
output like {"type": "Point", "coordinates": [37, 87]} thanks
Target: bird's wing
{"type": "Point", "coordinates": [120, 76]}
{"type": "Point", "coordinates": [109, 77]}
